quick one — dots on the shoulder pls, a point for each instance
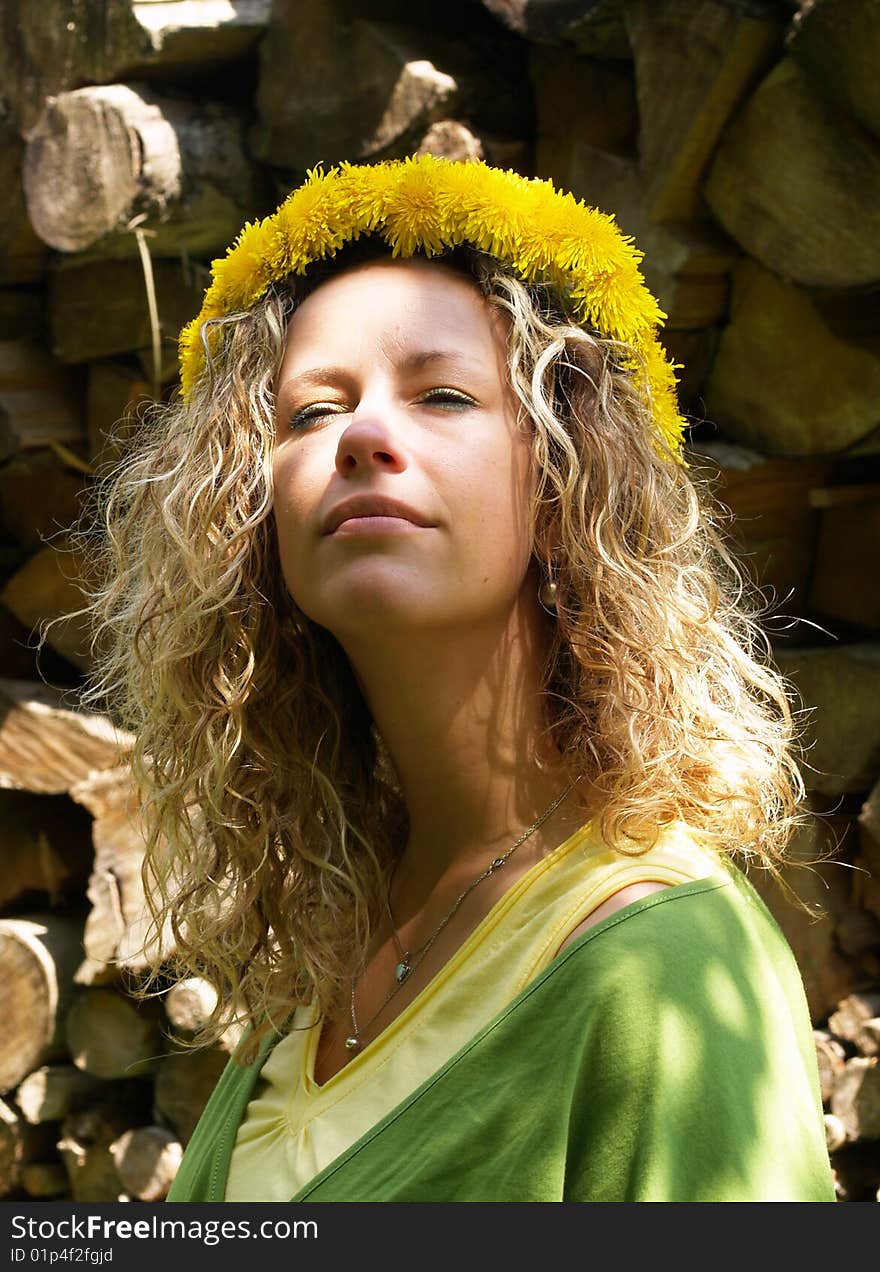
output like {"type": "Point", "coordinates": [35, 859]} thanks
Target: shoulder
{"type": "Point", "coordinates": [620, 900]}
{"type": "Point", "coordinates": [699, 942]}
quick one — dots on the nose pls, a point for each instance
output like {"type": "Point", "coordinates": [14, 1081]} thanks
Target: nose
{"type": "Point", "coordinates": [369, 441]}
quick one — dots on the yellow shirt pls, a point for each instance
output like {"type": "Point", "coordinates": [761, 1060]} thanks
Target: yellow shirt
{"type": "Point", "coordinates": [293, 1127]}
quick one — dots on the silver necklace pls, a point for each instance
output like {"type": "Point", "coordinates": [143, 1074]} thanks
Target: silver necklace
{"type": "Point", "coordinates": [409, 960]}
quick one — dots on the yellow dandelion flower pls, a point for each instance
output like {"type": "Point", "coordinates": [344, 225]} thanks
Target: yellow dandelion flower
{"type": "Point", "coordinates": [416, 217]}
{"type": "Point", "coordinates": [427, 203]}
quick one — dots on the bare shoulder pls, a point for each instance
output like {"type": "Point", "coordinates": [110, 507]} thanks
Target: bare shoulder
{"type": "Point", "coordinates": [632, 892]}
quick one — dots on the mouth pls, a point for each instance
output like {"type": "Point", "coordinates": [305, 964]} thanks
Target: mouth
{"type": "Point", "coordinates": [374, 524]}
{"type": "Point", "coordinates": [372, 512]}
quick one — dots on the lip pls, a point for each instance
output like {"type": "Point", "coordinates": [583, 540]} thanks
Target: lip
{"type": "Point", "coordinates": [363, 508]}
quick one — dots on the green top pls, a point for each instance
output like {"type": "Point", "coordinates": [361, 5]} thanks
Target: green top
{"type": "Point", "coordinates": [665, 1055]}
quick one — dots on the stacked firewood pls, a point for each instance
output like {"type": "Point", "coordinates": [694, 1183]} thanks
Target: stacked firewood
{"type": "Point", "coordinates": [99, 1091]}
{"type": "Point", "coordinates": [736, 140]}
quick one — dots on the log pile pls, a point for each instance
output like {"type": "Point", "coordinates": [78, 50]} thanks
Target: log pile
{"type": "Point", "coordinates": [737, 140]}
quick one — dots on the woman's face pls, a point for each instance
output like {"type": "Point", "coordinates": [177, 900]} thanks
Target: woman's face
{"type": "Point", "coordinates": [393, 387]}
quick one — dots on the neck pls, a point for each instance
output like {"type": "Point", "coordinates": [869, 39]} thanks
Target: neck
{"type": "Point", "coordinates": [461, 718]}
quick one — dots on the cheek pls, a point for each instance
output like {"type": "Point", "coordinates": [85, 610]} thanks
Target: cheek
{"type": "Point", "coordinates": [292, 500]}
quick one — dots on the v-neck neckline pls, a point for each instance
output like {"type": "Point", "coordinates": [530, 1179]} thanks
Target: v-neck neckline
{"type": "Point", "coordinates": [219, 1171]}
{"type": "Point", "coordinates": [386, 1038]}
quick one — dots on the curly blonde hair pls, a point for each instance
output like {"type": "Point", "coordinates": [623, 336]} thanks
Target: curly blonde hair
{"type": "Point", "coordinates": [272, 809]}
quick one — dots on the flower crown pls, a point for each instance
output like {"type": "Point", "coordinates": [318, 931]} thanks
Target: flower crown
{"type": "Point", "coordinates": [429, 203]}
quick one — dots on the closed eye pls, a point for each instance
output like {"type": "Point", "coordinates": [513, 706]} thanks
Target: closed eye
{"type": "Point", "coordinates": [452, 396]}
{"type": "Point", "coordinates": [434, 397]}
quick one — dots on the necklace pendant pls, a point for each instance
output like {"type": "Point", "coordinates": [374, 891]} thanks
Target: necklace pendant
{"type": "Point", "coordinates": [351, 1044]}
{"type": "Point", "coordinates": [401, 971]}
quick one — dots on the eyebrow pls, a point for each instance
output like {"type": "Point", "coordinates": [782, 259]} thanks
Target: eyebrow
{"type": "Point", "coordinates": [412, 362]}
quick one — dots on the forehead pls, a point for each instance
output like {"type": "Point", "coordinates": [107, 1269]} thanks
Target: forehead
{"type": "Point", "coordinates": [394, 305]}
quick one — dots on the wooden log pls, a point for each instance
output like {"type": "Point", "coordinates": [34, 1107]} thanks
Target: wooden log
{"type": "Point", "coordinates": [774, 524]}
{"type": "Point", "coordinates": [449, 139]}
{"type": "Point", "coordinates": [842, 685]}
{"type": "Point", "coordinates": [102, 155]}
{"type": "Point", "coordinates": [184, 1083]}
{"type": "Point", "coordinates": [835, 1133]}
{"type": "Point", "coordinates": [38, 955]}
{"type": "Point", "coordinates": [36, 418]}
{"type": "Point", "coordinates": [596, 27]}
{"type": "Point", "coordinates": [866, 885]}
{"type": "Point", "coordinates": [856, 1172]}
{"type": "Point", "coordinates": [190, 1003]}
{"type": "Point", "coordinates": [687, 268]}
{"type": "Point", "coordinates": [581, 97]}
{"type": "Point", "coordinates": [837, 42]}
{"type": "Point", "coordinates": [40, 406]}
{"type": "Point", "coordinates": [858, 936]}
{"type": "Point", "coordinates": [422, 95]}
{"type": "Point", "coordinates": [48, 748]}
{"type": "Point", "coordinates": [49, 1093]}
{"type": "Point", "coordinates": [856, 1098]}
{"type": "Point", "coordinates": [39, 493]}
{"type": "Point", "coordinates": [825, 887]}
{"type": "Point", "coordinates": [853, 1018]}
{"type": "Point", "coordinates": [10, 1148]}
{"type": "Point", "coordinates": [831, 1058]}
{"type": "Point", "coordinates": [331, 52]}
{"type": "Point", "coordinates": [46, 593]}
{"type": "Point", "coordinates": [146, 1161]}
{"type": "Point", "coordinates": [798, 185]}
{"type": "Point", "coordinates": [371, 88]}
{"type": "Point", "coordinates": [57, 45]}
{"type": "Point", "coordinates": [118, 930]}
{"type": "Point", "coordinates": [27, 364]}
{"type": "Point", "coordinates": [84, 1146]}
{"type": "Point", "coordinates": [44, 1179]}
{"type": "Point", "coordinates": [715, 54]}
{"type": "Point", "coordinates": [22, 253]}
{"type": "Point", "coordinates": [22, 312]}
{"type": "Point", "coordinates": [118, 394]}
{"type": "Point", "coordinates": [693, 351]}
{"type": "Point", "coordinates": [839, 588]}
{"type": "Point", "coordinates": [101, 309]}
{"type": "Point", "coordinates": [783, 382]}
{"type": "Point", "coordinates": [21, 657]}
{"type": "Point", "coordinates": [112, 1036]}
{"type": "Point", "coordinates": [45, 847]}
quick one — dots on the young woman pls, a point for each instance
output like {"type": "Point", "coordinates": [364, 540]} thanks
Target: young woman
{"type": "Point", "coordinates": [451, 719]}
